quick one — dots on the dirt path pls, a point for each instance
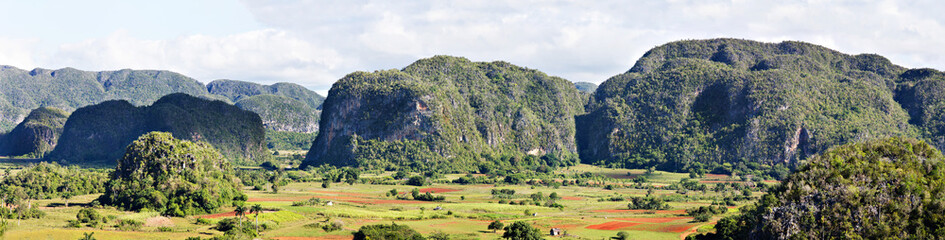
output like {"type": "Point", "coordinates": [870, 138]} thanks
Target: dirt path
{"type": "Point", "coordinates": [692, 230]}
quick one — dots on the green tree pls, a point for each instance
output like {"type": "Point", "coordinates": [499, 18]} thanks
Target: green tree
{"type": "Point", "coordinates": [387, 232]}
{"type": "Point", "coordinates": [240, 211]}
{"type": "Point", "coordinates": [256, 210]}
{"type": "Point", "coordinates": [496, 225]}
{"type": "Point", "coordinates": [174, 177]}
{"type": "Point", "coordinates": [522, 231]}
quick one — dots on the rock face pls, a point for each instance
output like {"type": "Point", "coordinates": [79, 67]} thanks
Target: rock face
{"type": "Point", "coordinates": [445, 112]}
{"type": "Point", "coordinates": [36, 135]}
{"type": "Point", "coordinates": [727, 104]}
{"type": "Point", "coordinates": [283, 107]}
{"type": "Point", "coordinates": [99, 133]}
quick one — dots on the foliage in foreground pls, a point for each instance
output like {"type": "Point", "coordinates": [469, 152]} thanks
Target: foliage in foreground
{"type": "Point", "coordinates": [387, 232]}
{"type": "Point", "coordinates": [174, 177]}
{"type": "Point", "coordinates": [882, 189]}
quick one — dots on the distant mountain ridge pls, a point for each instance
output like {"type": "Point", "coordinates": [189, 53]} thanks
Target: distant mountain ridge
{"type": "Point", "coordinates": [68, 89]}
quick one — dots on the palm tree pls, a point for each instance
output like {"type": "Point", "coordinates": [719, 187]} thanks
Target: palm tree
{"type": "Point", "coordinates": [240, 212]}
{"type": "Point", "coordinates": [256, 209]}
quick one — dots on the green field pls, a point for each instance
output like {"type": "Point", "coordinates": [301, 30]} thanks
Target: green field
{"type": "Point", "coordinates": [465, 213]}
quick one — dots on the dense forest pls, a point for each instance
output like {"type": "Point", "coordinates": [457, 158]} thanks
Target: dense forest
{"type": "Point", "coordinates": [100, 133]}
{"type": "Point", "coordinates": [446, 113]}
{"type": "Point", "coordinates": [171, 176]}
{"type": "Point", "coordinates": [879, 189]}
{"type": "Point", "coordinates": [727, 105]}
{"type": "Point", "coordinates": [69, 89]}
{"type": "Point", "coordinates": [37, 135]}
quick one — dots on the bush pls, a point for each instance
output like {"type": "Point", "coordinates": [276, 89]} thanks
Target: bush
{"type": "Point", "coordinates": [129, 225]}
{"type": "Point", "coordinates": [390, 232]}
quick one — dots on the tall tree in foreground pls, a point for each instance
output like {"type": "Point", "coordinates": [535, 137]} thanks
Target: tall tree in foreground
{"type": "Point", "coordinates": [882, 189]}
{"type": "Point", "coordinates": [174, 177]}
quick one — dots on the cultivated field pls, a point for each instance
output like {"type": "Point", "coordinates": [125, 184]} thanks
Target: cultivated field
{"type": "Point", "coordinates": [465, 213]}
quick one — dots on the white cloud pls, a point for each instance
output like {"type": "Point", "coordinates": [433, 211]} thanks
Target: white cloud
{"type": "Point", "coordinates": [263, 56]}
{"type": "Point", "coordinates": [592, 40]}
{"type": "Point", "coordinates": [315, 42]}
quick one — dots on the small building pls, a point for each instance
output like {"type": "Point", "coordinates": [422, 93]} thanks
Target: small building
{"type": "Point", "coordinates": [555, 232]}
{"type": "Point", "coordinates": [437, 208]}
{"type": "Point", "coordinates": [330, 203]}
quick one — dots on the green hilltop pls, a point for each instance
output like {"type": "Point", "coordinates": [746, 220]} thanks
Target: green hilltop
{"type": "Point", "coordinates": [446, 113]}
{"type": "Point", "coordinates": [36, 135]}
{"type": "Point", "coordinates": [69, 89]}
{"type": "Point", "coordinates": [100, 133]}
{"type": "Point", "coordinates": [726, 105]}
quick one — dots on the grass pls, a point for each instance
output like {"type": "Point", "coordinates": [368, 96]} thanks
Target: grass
{"type": "Point", "coordinates": [462, 219]}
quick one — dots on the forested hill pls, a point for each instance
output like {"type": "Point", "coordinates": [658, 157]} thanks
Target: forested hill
{"type": "Point", "coordinates": [282, 106]}
{"type": "Point", "coordinates": [100, 133]}
{"type": "Point", "coordinates": [728, 104]}
{"type": "Point", "coordinates": [68, 89]}
{"type": "Point", "coordinates": [446, 113]}
{"type": "Point", "coordinates": [36, 135]}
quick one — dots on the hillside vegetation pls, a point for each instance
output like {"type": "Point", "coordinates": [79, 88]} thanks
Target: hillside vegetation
{"type": "Point", "coordinates": [880, 189]}
{"type": "Point", "coordinates": [69, 89]}
{"type": "Point", "coordinates": [100, 133]}
{"type": "Point", "coordinates": [171, 176]}
{"type": "Point", "coordinates": [36, 135]}
{"type": "Point", "coordinates": [282, 106]}
{"type": "Point", "coordinates": [725, 105]}
{"type": "Point", "coordinates": [446, 113]}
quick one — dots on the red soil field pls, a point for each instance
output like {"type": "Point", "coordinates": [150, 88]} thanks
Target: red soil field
{"type": "Point", "coordinates": [219, 215]}
{"type": "Point", "coordinates": [342, 193]}
{"type": "Point", "coordinates": [680, 211]}
{"type": "Point", "coordinates": [679, 228]}
{"type": "Point", "coordinates": [572, 198]}
{"type": "Point", "coordinates": [692, 230]}
{"type": "Point", "coordinates": [225, 214]}
{"type": "Point", "coordinates": [384, 201]}
{"type": "Point", "coordinates": [653, 220]}
{"type": "Point", "coordinates": [614, 225]}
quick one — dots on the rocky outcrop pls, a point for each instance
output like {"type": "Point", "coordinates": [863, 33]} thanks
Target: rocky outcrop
{"type": "Point", "coordinates": [36, 135]}
{"type": "Point", "coordinates": [445, 112]}
{"type": "Point", "coordinates": [738, 105]}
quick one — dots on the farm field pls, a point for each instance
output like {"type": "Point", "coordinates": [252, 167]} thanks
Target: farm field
{"type": "Point", "coordinates": [589, 211]}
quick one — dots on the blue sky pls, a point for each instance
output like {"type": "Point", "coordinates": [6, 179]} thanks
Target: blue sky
{"type": "Point", "coordinates": [314, 43]}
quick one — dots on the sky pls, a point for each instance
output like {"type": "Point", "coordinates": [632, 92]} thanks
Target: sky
{"type": "Point", "coordinates": [315, 43]}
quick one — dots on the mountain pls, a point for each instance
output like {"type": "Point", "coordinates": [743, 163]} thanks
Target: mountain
{"type": "Point", "coordinates": [69, 89]}
{"type": "Point", "coordinates": [726, 105]}
{"type": "Point", "coordinates": [445, 113]}
{"type": "Point", "coordinates": [36, 135]}
{"type": "Point", "coordinates": [586, 87]}
{"type": "Point", "coordinates": [877, 189]}
{"type": "Point", "coordinates": [100, 133]}
{"type": "Point", "coordinates": [283, 106]}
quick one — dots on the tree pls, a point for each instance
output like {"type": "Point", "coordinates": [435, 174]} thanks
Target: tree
{"type": "Point", "coordinates": [522, 231]}
{"type": "Point", "coordinates": [240, 212]}
{"type": "Point", "coordinates": [256, 210]}
{"type": "Point", "coordinates": [623, 235]}
{"type": "Point", "coordinates": [174, 177]}
{"type": "Point", "coordinates": [387, 232]}
{"type": "Point", "coordinates": [87, 236]}
{"type": "Point", "coordinates": [416, 181]}
{"type": "Point", "coordinates": [496, 225]}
